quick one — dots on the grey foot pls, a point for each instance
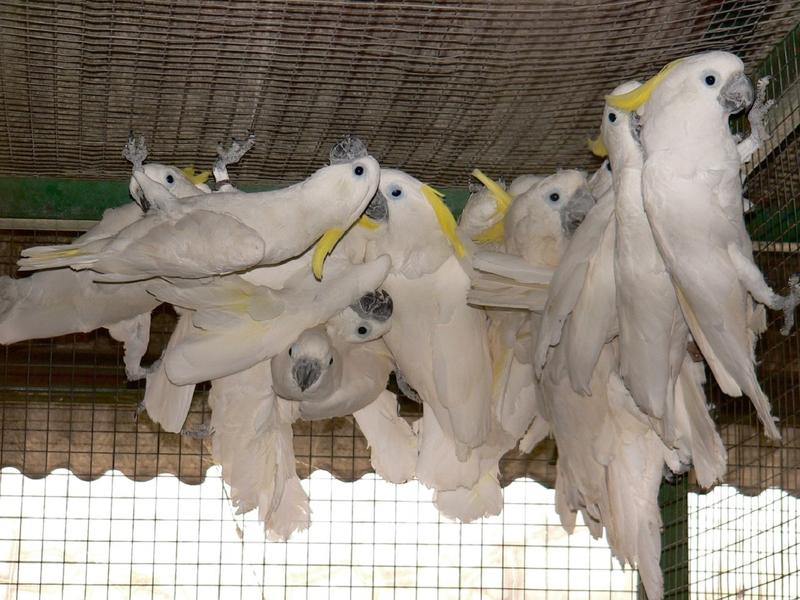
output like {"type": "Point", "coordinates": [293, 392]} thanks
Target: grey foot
{"type": "Point", "coordinates": [135, 151]}
{"type": "Point", "coordinates": [790, 302]}
{"type": "Point", "coordinates": [233, 153]}
{"type": "Point", "coordinates": [758, 113]}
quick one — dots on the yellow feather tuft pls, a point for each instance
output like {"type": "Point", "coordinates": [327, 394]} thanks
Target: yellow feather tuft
{"type": "Point", "coordinates": [446, 220]}
{"type": "Point", "coordinates": [495, 233]}
{"type": "Point", "coordinates": [60, 253]}
{"type": "Point", "coordinates": [501, 197]}
{"type": "Point", "coordinates": [597, 147]}
{"type": "Point", "coordinates": [635, 98]}
{"type": "Point", "coordinates": [324, 247]}
{"type": "Point", "coordinates": [196, 177]}
{"type": "Point", "coordinates": [367, 223]}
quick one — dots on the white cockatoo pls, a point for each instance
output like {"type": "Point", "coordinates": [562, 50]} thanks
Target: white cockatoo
{"type": "Point", "coordinates": [228, 232]}
{"type": "Point", "coordinates": [536, 227]}
{"type": "Point", "coordinates": [61, 301]}
{"type": "Point", "coordinates": [342, 368]}
{"type": "Point", "coordinates": [692, 196]}
{"type": "Point", "coordinates": [252, 440]}
{"type": "Point", "coordinates": [582, 284]}
{"type": "Point", "coordinates": [654, 361]}
{"type": "Point", "coordinates": [439, 342]}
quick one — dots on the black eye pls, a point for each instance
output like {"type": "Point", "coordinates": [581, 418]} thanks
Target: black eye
{"type": "Point", "coordinates": [330, 362]}
{"type": "Point", "coordinates": [362, 330]}
{"type": "Point", "coordinates": [290, 352]}
{"type": "Point", "coordinates": [359, 170]}
{"type": "Point", "coordinates": [710, 80]}
{"type": "Point", "coordinates": [396, 192]}
{"type": "Point", "coordinates": [170, 179]}
{"type": "Point", "coordinates": [554, 197]}
{"type": "Point", "coordinates": [612, 117]}
{"type": "Point", "coordinates": [608, 166]}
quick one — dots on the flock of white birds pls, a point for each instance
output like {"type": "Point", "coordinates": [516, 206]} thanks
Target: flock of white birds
{"type": "Point", "coordinates": [561, 306]}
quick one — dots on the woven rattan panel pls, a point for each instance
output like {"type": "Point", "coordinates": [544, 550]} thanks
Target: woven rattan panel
{"type": "Point", "coordinates": [434, 87]}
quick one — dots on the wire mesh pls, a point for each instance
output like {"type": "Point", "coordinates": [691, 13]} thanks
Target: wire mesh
{"type": "Point", "coordinates": [436, 88]}
{"type": "Point", "coordinates": [61, 537]}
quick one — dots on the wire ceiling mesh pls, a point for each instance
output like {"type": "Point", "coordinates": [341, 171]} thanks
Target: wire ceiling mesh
{"type": "Point", "coordinates": [435, 87]}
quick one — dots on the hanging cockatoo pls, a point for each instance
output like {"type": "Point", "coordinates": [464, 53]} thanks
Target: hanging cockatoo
{"type": "Point", "coordinates": [583, 283]}
{"type": "Point", "coordinates": [342, 368]}
{"type": "Point", "coordinates": [252, 441]}
{"type": "Point", "coordinates": [228, 232]}
{"type": "Point", "coordinates": [654, 361]}
{"type": "Point", "coordinates": [535, 233]}
{"type": "Point", "coordinates": [236, 324]}
{"type": "Point", "coordinates": [439, 342]}
{"type": "Point", "coordinates": [692, 195]}
{"type": "Point", "coordinates": [62, 301]}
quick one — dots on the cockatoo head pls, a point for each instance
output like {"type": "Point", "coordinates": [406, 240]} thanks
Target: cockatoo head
{"type": "Point", "coordinates": [172, 179]}
{"type": "Point", "coordinates": [418, 231]}
{"type": "Point", "coordinates": [703, 88]}
{"type": "Point", "coordinates": [308, 369]}
{"type": "Point", "coordinates": [619, 134]}
{"type": "Point", "coordinates": [541, 221]}
{"type": "Point", "coordinates": [342, 191]}
{"type": "Point", "coordinates": [365, 320]}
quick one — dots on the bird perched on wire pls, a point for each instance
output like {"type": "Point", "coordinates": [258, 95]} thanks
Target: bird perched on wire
{"type": "Point", "coordinates": [233, 231]}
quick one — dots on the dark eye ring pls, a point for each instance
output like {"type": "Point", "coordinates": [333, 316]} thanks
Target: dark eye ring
{"type": "Point", "coordinates": [612, 117]}
{"type": "Point", "coordinates": [396, 192]}
{"type": "Point", "coordinates": [710, 80]}
{"type": "Point", "coordinates": [362, 330]}
{"type": "Point", "coordinates": [170, 179]}
{"type": "Point", "coordinates": [554, 197]}
{"type": "Point", "coordinates": [330, 362]}
{"type": "Point", "coordinates": [359, 170]}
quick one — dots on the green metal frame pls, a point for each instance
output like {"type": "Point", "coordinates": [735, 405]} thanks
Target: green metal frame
{"type": "Point", "coordinates": [40, 200]}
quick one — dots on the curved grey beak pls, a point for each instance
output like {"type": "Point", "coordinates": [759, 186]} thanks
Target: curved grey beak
{"type": "Point", "coordinates": [378, 207]}
{"type": "Point", "coordinates": [573, 214]}
{"type": "Point", "coordinates": [305, 372]}
{"type": "Point", "coordinates": [737, 94]}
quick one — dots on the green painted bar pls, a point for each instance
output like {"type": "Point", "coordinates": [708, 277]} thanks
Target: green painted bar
{"type": "Point", "coordinates": [61, 198]}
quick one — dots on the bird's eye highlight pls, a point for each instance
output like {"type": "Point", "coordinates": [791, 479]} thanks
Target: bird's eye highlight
{"type": "Point", "coordinates": [554, 197]}
{"type": "Point", "coordinates": [359, 171]}
{"type": "Point", "coordinates": [170, 179]}
{"type": "Point", "coordinates": [362, 330]}
{"type": "Point", "coordinates": [395, 191]}
{"type": "Point", "coordinates": [612, 117]}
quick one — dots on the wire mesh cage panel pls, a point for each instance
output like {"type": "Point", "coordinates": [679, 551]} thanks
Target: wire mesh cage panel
{"type": "Point", "coordinates": [98, 501]}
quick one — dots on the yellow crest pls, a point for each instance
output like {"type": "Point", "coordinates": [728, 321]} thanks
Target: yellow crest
{"type": "Point", "coordinates": [196, 177]}
{"type": "Point", "coordinates": [597, 147]}
{"type": "Point", "coordinates": [635, 98]}
{"type": "Point", "coordinates": [501, 197]}
{"type": "Point", "coordinates": [324, 246]}
{"type": "Point", "coordinates": [445, 218]}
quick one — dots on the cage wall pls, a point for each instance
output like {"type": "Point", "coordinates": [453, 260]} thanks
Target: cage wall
{"type": "Point", "coordinates": [437, 89]}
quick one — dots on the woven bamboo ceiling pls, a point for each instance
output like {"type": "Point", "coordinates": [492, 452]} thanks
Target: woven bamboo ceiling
{"type": "Point", "coordinates": [433, 87]}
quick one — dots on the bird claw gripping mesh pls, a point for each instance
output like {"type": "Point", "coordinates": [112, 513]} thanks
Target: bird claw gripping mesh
{"type": "Point", "coordinates": [233, 153]}
{"type": "Point", "coordinates": [757, 116]}
{"type": "Point", "coordinates": [376, 305]}
{"type": "Point", "coordinates": [350, 148]}
{"type": "Point", "coordinates": [790, 302]}
{"type": "Point", "coordinates": [135, 151]}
